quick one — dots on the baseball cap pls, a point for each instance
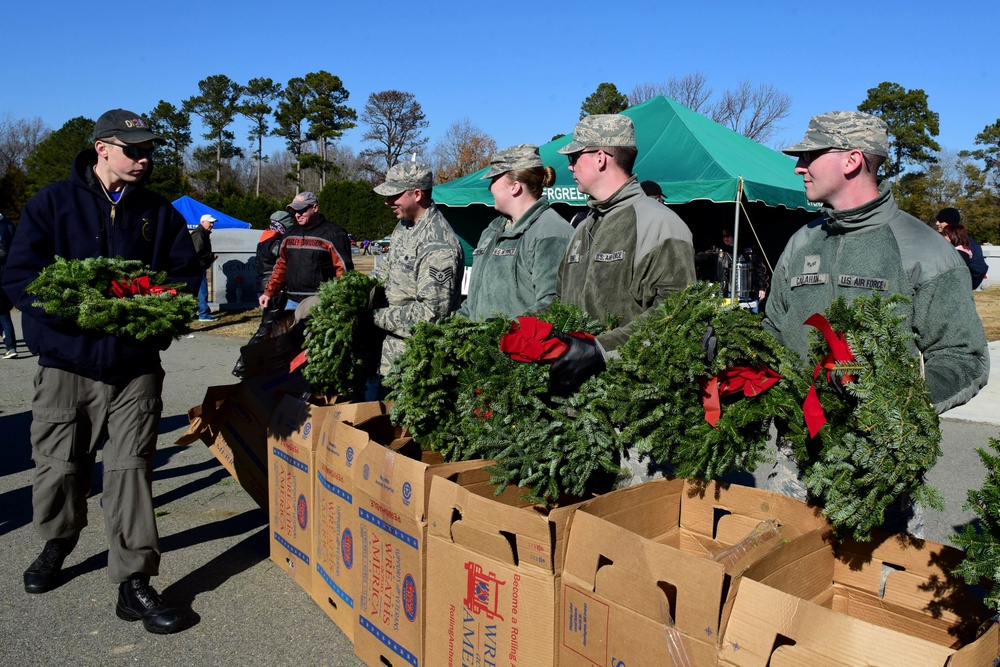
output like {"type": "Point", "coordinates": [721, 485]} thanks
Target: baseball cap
{"type": "Point", "coordinates": [949, 216]}
{"type": "Point", "coordinates": [406, 176]}
{"type": "Point", "coordinates": [522, 156]}
{"type": "Point", "coordinates": [302, 201]}
{"type": "Point", "coordinates": [127, 126]}
{"type": "Point", "coordinates": [845, 130]}
{"type": "Point", "coordinates": [207, 218]}
{"type": "Point", "coordinates": [601, 130]}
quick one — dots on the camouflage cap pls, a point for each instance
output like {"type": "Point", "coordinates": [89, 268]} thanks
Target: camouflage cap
{"type": "Point", "coordinates": [601, 130]}
{"type": "Point", "coordinates": [405, 176]}
{"type": "Point", "coordinates": [522, 156]}
{"type": "Point", "coordinates": [845, 130]}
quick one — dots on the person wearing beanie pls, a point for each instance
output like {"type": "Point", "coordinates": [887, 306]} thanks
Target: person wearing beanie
{"type": "Point", "coordinates": [268, 248]}
{"type": "Point", "coordinates": [949, 223]}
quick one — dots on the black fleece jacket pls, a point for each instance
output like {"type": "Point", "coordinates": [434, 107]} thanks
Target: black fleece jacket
{"type": "Point", "coordinates": [75, 219]}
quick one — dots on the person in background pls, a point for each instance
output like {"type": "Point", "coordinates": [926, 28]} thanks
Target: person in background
{"type": "Point", "coordinates": [201, 237]}
{"type": "Point", "coordinates": [753, 293]}
{"type": "Point", "coordinates": [6, 323]}
{"type": "Point", "coordinates": [423, 268]}
{"type": "Point", "coordinates": [653, 191]}
{"type": "Point", "coordinates": [516, 261]}
{"type": "Point", "coordinates": [97, 388]}
{"type": "Point", "coordinates": [627, 254]}
{"type": "Point", "coordinates": [863, 242]}
{"type": "Point", "coordinates": [972, 252]}
{"type": "Point", "coordinates": [313, 251]}
{"type": "Point", "coordinates": [267, 255]}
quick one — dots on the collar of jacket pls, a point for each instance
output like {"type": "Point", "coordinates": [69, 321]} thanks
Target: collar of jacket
{"type": "Point", "coordinates": [521, 224]}
{"type": "Point", "coordinates": [629, 190]}
{"type": "Point", "coordinates": [870, 214]}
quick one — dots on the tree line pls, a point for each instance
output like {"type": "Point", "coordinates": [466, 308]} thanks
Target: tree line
{"type": "Point", "coordinates": [311, 113]}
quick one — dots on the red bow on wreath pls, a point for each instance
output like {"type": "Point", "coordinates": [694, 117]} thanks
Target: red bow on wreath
{"type": "Point", "coordinates": [138, 287]}
{"type": "Point", "coordinates": [750, 381]}
{"type": "Point", "coordinates": [840, 351]}
{"type": "Point", "coordinates": [530, 339]}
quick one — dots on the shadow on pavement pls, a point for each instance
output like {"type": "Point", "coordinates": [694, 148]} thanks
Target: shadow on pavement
{"type": "Point", "coordinates": [16, 506]}
{"type": "Point", "coordinates": [237, 559]}
{"type": "Point", "coordinates": [170, 496]}
{"type": "Point", "coordinates": [17, 443]}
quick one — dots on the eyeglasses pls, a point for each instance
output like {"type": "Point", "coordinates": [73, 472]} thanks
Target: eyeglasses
{"type": "Point", "coordinates": [573, 157]}
{"type": "Point", "coordinates": [809, 156]}
{"type": "Point", "coordinates": [133, 152]}
{"type": "Point", "coordinates": [302, 211]}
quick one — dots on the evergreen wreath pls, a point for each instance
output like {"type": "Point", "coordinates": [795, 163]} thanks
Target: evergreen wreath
{"type": "Point", "coordinates": [982, 541]}
{"type": "Point", "coordinates": [82, 291]}
{"type": "Point", "coordinates": [463, 397]}
{"type": "Point", "coordinates": [342, 342]}
{"type": "Point", "coordinates": [656, 392]}
{"type": "Point", "coordinates": [882, 433]}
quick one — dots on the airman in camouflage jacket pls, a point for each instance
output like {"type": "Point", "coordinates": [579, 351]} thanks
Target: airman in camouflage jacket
{"type": "Point", "coordinates": [423, 277]}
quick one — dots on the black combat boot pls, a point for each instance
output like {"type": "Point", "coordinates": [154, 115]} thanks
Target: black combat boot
{"type": "Point", "coordinates": [43, 575]}
{"type": "Point", "coordinates": [137, 600]}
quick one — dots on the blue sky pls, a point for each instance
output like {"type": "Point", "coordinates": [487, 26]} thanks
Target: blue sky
{"type": "Point", "coordinates": [520, 77]}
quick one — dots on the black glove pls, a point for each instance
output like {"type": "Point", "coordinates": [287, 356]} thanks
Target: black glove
{"type": "Point", "coordinates": [376, 298]}
{"type": "Point", "coordinates": [580, 362]}
{"type": "Point", "coordinates": [709, 344]}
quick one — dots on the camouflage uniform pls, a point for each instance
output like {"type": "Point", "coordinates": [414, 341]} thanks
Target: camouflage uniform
{"type": "Point", "coordinates": [516, 262]}
{"type": "Point", "coordinates": [422, 270]}
{"type": "Point", "coordinates": [876, 246]}
{"type": "Point", "coordinates": [630, 251]}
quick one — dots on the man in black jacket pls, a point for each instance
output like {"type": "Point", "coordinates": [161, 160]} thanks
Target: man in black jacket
{"type": "Point", "coordinates": [90, 386]}
{"type": "Point", "coordinates": [202, 239]}
{"type": "Point", "coordinates": [314, 250]}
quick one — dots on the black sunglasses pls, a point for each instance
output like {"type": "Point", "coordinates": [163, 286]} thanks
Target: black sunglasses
{"type": "Point", "coordinates": [573, 157]}
{"type": "Point", "coordinates": [133, 152]}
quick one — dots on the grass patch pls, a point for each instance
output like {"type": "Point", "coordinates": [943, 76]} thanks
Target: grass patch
{"type": "Point", "coordinates": [988, 307]}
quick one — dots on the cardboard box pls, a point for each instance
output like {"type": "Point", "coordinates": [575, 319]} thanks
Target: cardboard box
{"type": "Point", "coordinates": [890, 602]}
{"type": "Point", "coordinates": [392, 487]}
{"type": "Point", "coordinates": [295, 433]}
{"type": "Point", "coordinates": [493, 565]}
{"type": "Point", "coordinates": [336, 580]}
{"type": "Point", "coordinates": [232, 421]}
{"type": "Point", "coordinates": [650, 570]}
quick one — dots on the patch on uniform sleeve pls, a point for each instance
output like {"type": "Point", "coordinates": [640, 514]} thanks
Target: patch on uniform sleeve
{"type": "Point", "coordinates": [863, 282]}
{"type": "Point", "coordinates": [478, 251]}
{"type": "Point", "coordinates": [811, 264]}
{"type": "Point", "coordinates": [147, 229]}
{"type": "Point", "coordinates": [442, 275]}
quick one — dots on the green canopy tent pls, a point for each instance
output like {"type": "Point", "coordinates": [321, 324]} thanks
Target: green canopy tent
{"type": "Point", "coordinates": [698, 163]}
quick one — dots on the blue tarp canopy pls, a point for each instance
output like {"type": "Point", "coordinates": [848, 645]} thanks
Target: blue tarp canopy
{"type": "Point", "coordinates": [192, 210]}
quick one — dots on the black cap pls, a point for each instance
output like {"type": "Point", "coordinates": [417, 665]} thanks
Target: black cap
{"type": "Point", "coordinates": [127, 126]}
{"type": "Point", "coordinates": [949, 216]}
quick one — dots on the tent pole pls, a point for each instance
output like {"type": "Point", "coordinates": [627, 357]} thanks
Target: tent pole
{"type": "Point", "coordinates": [736, 243]}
